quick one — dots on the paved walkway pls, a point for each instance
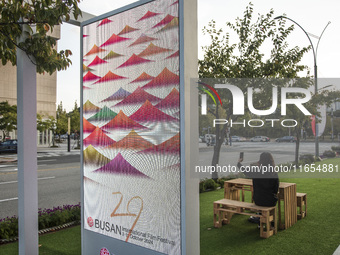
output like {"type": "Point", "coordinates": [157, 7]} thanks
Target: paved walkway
{"type": "Point", "coordinates": [43, 151]}
{"type": "Point", "coordinates": [337, 251]}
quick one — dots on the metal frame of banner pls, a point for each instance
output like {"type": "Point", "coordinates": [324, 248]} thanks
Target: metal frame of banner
{"type": "Point", "coordinates": [89, 238]}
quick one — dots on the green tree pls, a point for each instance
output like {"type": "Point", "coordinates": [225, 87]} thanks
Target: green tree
{"type": "Point", "coordinates": [337, 113]}
{"type": "Point", "coordinates": [62, 122]}
{"type": "Point", "coordinates": [45, 123]}
{"type": "Point", "coordinates": [19, 15]}
{"type": "Point", "coordinates": [8, 118]}
{"type": "Point", "coordinates": [301, 119]}
{"type": "Point", "coordinates": [75, 119]}
{"type": "Point", "coordinates": [48, 123]}
{"type": "Point", "coordinates": [327, 98]}
{"type": "Point", "coordinates": [246, 59]}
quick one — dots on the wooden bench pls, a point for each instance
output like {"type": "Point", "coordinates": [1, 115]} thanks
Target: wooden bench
{"type": "Point", "coordinates": [301, 200]}
{"type": "Point", "coordinates": [225, 208]}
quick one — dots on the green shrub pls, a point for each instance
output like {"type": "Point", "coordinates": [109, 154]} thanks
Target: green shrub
{"type": "Point", "coordinates": [336, 148]}
{"type": "Point", "coordinates": [307, 159]}
{"type": "Point", "coordinates": [47, 218]}
{"type": "Point", "coordinates": [329, 154]}
{"type": "Point", "coordinates": [8, 227]}
{"type": "Point", "coordinates": [210, 184]}
{"type": "Point", "coordinates": [202, 187]}
{"type": "Point", "coordinates": [220, 181]}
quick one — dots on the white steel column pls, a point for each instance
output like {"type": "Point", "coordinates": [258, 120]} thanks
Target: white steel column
{"type": "Point", "coordinates": [189, 53]}
{"type": "Point", "coordinates": [27, 155]}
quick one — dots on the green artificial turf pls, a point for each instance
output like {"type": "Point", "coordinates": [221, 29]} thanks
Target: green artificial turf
{"type": "Point", "coordinates": [318, 233]}
{"type": "Point", "coordinates": [63, 242]}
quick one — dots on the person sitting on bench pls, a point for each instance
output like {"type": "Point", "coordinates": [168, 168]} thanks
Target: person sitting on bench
{"type": "Point", "coordinates": [265, 183]}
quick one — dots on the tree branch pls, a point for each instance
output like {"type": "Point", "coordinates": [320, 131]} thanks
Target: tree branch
{"type": "Point", "coordinates": [23, 49]}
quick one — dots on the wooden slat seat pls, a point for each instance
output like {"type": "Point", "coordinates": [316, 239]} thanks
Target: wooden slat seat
{"type": "Point", "coordinates": [225, 208]}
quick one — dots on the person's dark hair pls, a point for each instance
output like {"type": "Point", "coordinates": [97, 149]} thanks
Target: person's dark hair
{"type": "Point", "coordinates": [266, 159]}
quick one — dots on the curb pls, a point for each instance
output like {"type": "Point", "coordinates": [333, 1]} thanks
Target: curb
{"type": "Point", "coordinates": [8, 161]}
{"type": "Point", "coordinates": [43, 231]}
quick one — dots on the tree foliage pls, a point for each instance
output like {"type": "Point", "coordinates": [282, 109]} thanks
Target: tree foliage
{"type": "Point", "coordinates": [62, 119]}
{"type": "Point", "coordinates": [44, 123]}
{"type": "Point", "coordinates": [35, 18]}
{"type": "Point", "coordinates": [8, 118]}
{"type": "Point", "coordinates": [62, 122]}
{"type": "Point", "coordinates": [246, 58]}
{"type": "Point", "coordinates": [75, 119]}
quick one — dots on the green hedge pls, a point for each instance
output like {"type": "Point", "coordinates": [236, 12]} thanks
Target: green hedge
{"type": "Point", "coordinates": [47, 218]}
{"type": "Point", "coordinates": [211, 184]}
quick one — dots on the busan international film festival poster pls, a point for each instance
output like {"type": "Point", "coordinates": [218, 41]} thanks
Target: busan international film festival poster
{"type": "Point", "coordinates": [131, 126]}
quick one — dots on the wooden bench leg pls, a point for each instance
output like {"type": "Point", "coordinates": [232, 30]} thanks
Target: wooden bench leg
{"type": "Point", "coordinates": [306, 205]}
{"type": "Point", "coordinates": [262, 225]}
{"type": "Point", "coordinates": [223, 217]}
{"type": "Point", "coordinates": [266, 230]}
{"type": "Point", "coordinates": [302, 212]}
{"type": "Point", "coordinates": [217, 223]}
{"type": "Point", "coordinates": [220, 218]}
{"type": "Point", "coordinates": [301, 200]}
{"type": "Point", "coordinates": [304, 202]}
{"type": "Point", "coordinates": [281, 225]}
{"type": "Point", "coordinates": [226, 216]}
{"type": "Point", "coordinates": [275, 220]}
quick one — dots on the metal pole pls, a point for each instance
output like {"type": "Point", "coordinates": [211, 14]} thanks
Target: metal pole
{"type": "Point", "coordinates": [315, 79]}
{"type": "Point", "coordinates": [68, 135]}
{"type": "Point", "coordinates": [332, 116]}
{"type": "Point", "coordinates": [316, 120]}
{"type": "Point", "coordinates": [27, 154]}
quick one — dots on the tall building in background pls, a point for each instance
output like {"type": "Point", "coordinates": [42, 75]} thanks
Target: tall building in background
{"type": "Point", "coordinates": [46, 91]}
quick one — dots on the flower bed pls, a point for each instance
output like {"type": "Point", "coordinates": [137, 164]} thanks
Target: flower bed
{"type": "Point", "coordinates": [48, 219]}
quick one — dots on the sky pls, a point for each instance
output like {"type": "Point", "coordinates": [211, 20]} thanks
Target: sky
{"type": "Point", "coordinates": [312, 15]}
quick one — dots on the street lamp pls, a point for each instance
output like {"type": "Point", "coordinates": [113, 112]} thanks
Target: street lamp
{"type": "Point", "coordinates": [332, 116]}
{"type": "Point", "coordinates": [315, 73]}
{"type": "Point", "coordinates": [54, 127]}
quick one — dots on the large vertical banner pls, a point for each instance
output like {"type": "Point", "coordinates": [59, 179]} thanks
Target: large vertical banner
{"type": "Point", "coordinates": [131, 127]}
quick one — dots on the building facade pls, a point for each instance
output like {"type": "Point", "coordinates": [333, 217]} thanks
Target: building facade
{"type": "Point", "coordinates": [46, 92]}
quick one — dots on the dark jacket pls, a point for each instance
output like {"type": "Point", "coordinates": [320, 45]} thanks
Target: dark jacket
{"type": "Point", "coordinates": [265, 189]}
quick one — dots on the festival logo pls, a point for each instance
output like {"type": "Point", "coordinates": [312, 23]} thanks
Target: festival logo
{"type": "Point", "coordinates": [104, 251]}
{"type": "Point", "coordinates": [90, 222]}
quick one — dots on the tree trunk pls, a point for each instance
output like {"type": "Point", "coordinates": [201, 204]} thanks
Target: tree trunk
{"type": "Point", "coordinates": [220, 136]}
{"type": "Point", "coordinates": [297, 146]}
{"type": "Point", "coordinates": [6, 134]}
{"type": "Point", "coordinates": [217, 150]}
{"type": "Point", "coordinates": [53, 140]}
{"type": "Point", "coordinates": [217, 147]}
